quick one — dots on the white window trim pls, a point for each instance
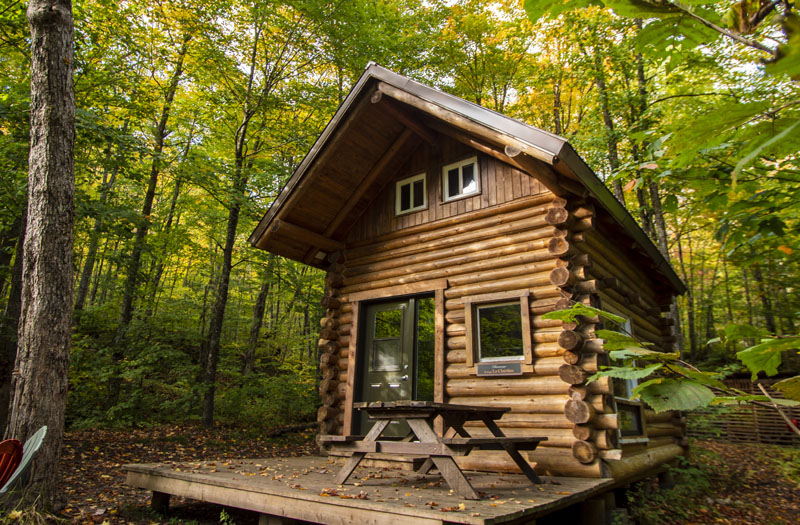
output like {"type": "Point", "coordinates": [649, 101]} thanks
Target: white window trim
{"type": "Point", "coordinates": [410, 181]}
{"type": "Point", "coordinates": [459, 165]}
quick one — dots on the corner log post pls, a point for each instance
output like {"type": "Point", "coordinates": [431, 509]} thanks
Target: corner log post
{"type": "Point", "coordinates": [582, 352]}
{"type": "Point", "coordinates": [330, 344]}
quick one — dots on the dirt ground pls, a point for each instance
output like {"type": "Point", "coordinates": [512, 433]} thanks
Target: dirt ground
{"type": "Point", "coordinates": [722, 483]}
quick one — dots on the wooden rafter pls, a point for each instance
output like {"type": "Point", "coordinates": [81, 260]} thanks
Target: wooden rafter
{"type": "Point", "coordinates": [322, 242]}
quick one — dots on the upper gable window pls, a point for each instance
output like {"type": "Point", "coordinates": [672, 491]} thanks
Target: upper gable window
{"type": "Point", "coordinates": [410, 194]}
{"type": "Point", "coordinates": [460, 179]}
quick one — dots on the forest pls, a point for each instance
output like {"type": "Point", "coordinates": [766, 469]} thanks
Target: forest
{"type": "Point", "coordinates": [191, 115]}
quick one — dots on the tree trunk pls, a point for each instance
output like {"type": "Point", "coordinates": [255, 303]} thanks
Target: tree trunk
{"type": "Point", "coordinates": [40, 388]}
{"type": "Point", "coordinates": [134, 262]}
{"type": "Point", "coordinates": [9, 327]}
{"type": "Point", "coordinates": [608, 122]}
{"type": "Point", "coordinates": [766, 303]}
{"type": "Point", "coordinates": [259, 308]}
{"type": "Point", "coordinates": [221, 299]}
{"type": "Point", "coordinates": [94, 238]}
{"type": "Point", "coordinates": [7, 248]}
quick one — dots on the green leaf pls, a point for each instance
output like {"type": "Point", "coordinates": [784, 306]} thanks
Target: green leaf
{"type": "Point", "coordinates": [789, 387]}
{"type": "Point", "coordinates": [703, 378]}
{"type": "Point", "coordinates": [642, 353]}
{"type": "Point", "coordinates": [766, 356]}
{"type": "Point", "coordinates": [570, 315]}
{"type": "Point", "coordinates": [624, 372]}
{"type": "Point", "coordinates": [537, 9]}
{"type": "Point", "coordinates": [741, 331]}
{"type": "Point", "coordinates": [664, 394]}
{"type": "Point", "coordinates": [757, 151]}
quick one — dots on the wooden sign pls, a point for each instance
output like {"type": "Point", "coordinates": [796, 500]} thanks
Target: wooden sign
{"type": "Point", "coordinates": [499, 369]}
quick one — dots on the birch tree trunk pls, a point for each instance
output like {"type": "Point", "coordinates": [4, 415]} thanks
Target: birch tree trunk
{"type": "Point", "coordinates": [40, 389]}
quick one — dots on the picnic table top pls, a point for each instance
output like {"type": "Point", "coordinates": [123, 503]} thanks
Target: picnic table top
{"type": "Point", "coordinates": [429, 406]}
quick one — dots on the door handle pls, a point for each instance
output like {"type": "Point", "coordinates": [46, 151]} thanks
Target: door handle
{"type": "Point", "coordinates": [404, 378]}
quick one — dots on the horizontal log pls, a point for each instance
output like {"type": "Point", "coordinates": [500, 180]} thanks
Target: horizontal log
{"type": "Point", "coordinates": [630, 466]}
{"type": "Point", "coordinates": [579, 412]}
{"type": "Point", "coordinates": [556, 437]}
{"type": "Point", "coordinates": [480, 248]}
{"type": "Point", "coordinates": [329, 427]}
{"type": "Point", "coordinates": [584, 451]}
{"type": "Point", "coordinates": [459, 270]}
{"type": "Point", "coordinates": [663, 429]}
{"type": "Point", "coordinates": [572, 374]}
{"type": "Point", "coordinates": [531, 404]}
{"type": "Point", "coordinates": [327, 398]}
{"type": "Point", "coordinates": [583, 432]}
{"type": "Point", "coordinates": [329, 373]}
{"type": "Point", "coordinates": [547, 462]}
{"type": "Point", "coordinates": [606, 439]}
{"type": "Point", "coordinates": [537, 280]}
{"type": "Point", "coordinates": [651, 416]}
{"type": "Point", "coordinates": [330, 335]}
{"type": "Point", "coordinates": [530, 206]}
{"type": "Point", "coordinates": [325, 412]}
{"type": "Point", "coordinates": [557, 216]}
{"type": "Point", "coordinates": [328, 347]}
{"type": "Point", "coordinates": [331, 302]}
{"type": "Point", "coordinates": [521, 385]}
{"type": "Point", "coordinates": [535, 226]}
{"type": "Point", "coordinates": [570, 340]}
{"type": "Point", "coordinates": [606, 421]}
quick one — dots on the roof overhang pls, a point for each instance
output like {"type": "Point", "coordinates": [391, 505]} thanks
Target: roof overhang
{"type": "Point", "coordinates": [532, 144]}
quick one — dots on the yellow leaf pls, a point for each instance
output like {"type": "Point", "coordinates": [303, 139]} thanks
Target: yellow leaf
{"type": "Point", "coordinates": [628, 187]}
{"type": "Point", "coordinates": [785, 249]}
{"type": "Point", "coordinates": [462, 506]}
{"type": "Point", "coordinates": [15, 514]}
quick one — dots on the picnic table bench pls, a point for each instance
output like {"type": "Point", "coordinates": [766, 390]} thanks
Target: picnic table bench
{"type": "Point", "coordinates": [438, 450]}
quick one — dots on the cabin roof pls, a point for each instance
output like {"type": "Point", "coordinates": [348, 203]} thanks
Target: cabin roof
{"type": "Point", "coordinates": [386, 116]}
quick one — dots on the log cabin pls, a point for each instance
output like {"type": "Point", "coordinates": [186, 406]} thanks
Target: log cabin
{"type": "Point", "coordinates": [447, 230]}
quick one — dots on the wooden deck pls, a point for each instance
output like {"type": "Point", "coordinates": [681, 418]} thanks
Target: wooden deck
{"type": "Point", "coordinates": [303, 488]}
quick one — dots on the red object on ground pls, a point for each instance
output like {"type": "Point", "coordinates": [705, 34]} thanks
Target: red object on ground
{"type": "Point", "coordinates": [10, 457]}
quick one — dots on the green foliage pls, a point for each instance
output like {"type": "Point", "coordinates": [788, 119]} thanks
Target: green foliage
{"type": "Point", "coordinates": [664, 394]}
{"type": "Point", "coordinates": [571, 315]}
{"type": "Point", "coordinates": [767, 355]}
{"type": "Point", "coordinates": [789, 387]}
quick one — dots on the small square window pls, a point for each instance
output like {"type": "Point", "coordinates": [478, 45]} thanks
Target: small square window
{"type": "Point", "coordinates": [410, 194]}
{"type": "Point", "coordinates": [498, 328]}
{"type": "Point", "coordinates": [499, 331]}
{"type": "Point", "coordinates": [460, 179]}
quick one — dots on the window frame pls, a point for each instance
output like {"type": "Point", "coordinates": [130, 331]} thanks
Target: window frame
{"type": "Point", "coordinates": [410, 182]}
{"type": "Point", "coordinates": [446, 197]}
{"type": "Point", "coordinates": [636, 404]}
{"type": "Point", "coordinates": [471, 303]}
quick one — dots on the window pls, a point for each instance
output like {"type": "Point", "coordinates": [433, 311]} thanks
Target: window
{"type": "Point", "coordinates": [499, 331]}
{"type": "Point", "coordinates": [498, 328]}
{"type": "Point", "coordinates": [410, 194]}
{"type": "Point", "coordinates": [630, 413]}
{"type": "Point", "coordinates": [460, 179]}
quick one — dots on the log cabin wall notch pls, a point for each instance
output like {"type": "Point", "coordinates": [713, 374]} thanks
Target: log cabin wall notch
{"type": "Point", "coordinates": [447, 230]}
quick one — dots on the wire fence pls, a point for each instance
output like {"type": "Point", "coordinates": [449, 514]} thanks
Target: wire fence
{"type": "Point", "coordinates": [746, 423]}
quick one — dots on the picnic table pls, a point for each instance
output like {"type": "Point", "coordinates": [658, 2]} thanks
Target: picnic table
{"type": "Point", "coordinates": [423, 439]}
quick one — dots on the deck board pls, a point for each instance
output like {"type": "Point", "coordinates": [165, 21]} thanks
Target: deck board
{"type": "Point", "coordinates": [303, 488]}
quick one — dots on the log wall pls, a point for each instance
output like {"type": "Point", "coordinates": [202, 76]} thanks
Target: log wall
{"type": "Point", "coordinates": [520, 238]}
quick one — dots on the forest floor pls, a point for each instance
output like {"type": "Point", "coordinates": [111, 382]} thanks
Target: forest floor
{"type": "Point", "coordinates": [722, 483]}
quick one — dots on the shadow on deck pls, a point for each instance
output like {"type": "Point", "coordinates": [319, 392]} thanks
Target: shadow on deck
{"type": "Point", "coordinates": [302, 488]}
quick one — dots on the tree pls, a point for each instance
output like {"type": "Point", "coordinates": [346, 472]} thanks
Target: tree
{"type": "Point", "coordinates": [40, 389]}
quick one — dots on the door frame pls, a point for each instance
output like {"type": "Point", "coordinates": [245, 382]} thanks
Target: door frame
{"type": "Point", "coordinates": [438, 287]}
